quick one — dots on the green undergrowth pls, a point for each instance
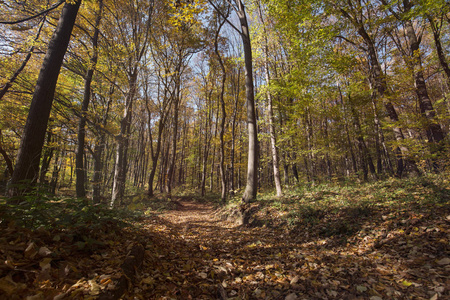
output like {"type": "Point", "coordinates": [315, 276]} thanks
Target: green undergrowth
{"type": "Point", "coordinates": [42, 210]}
{"type": "Point", "coordinates": [332, 209]}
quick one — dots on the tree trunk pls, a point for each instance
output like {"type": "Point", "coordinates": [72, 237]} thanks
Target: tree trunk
{"type": "Point", "coordinates": [171, 172]}
{"type": "Point", "coordinates": [28, 158]}
{"type": "Point", "coordinates": [433, 129]}
{"type": "Point", "coordinates": [9, 163]}
{"type": "Point", "coordinates": [252, 163]}
{"type": "Point", "coordinates": [233, 127]}
{"type": "Point", "coordinates": [224, 115]}
{"type": "Point", "coordinates": [79, 170]}
{"type": "Point", "coordinates": [436, 29]}
{"type": "Point", "coordinates": [379, 82]}
{"type": "Point", "coordinates": [273, 138]}
{"type": "Point", "coordinates": [47, 157]}
{"type": "Point", "coordinates": [121, 165]}
{"type": "Point", "coordinates": [366, 158]}
{"type": "Point", "coordinates": [99, 149]}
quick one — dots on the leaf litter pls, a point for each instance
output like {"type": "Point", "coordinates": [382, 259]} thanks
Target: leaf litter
{"type": "Point", "coordinates": [192, 251]}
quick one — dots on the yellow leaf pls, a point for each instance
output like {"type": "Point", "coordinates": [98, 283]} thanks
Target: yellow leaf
{"type": "Point", "coordinates": [94, 288]}
{"type": "Point", "coordinates": [406, 283]}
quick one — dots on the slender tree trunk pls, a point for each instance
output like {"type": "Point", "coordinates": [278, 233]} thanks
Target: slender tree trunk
{"type": "Point", "coordinates": [170, 174]}
{"type": "Point", "coordinates": [366, 158]}
{"type": "Point", "coordinates": [9, 163]}
{"type": "Point", "coordinates": [79, 171]}
{"type": "Point", "coordinates": [47, 157]}
{"type": "Point", "coordinates": [28, 158]}
{"type": "Point", "coordinates": [380, 85]}
{"type": "Point", "coordinates": [99, 149]}
{"type": "Point", "coordinates": [155, 157]}
{"type": "Point", "coordinates": [224, 115]}
{"type": "Point", "coordinates": [252, 163]}
{"type": "Point", "coordinates": [309, 139]}
{"type": "Point", "coordinates": [436, 29]}
{"type": "Point", "coordinates": [378, 133]}
{"type": "Point", "coordinates": [121, 165]}
{"type": "Point", "coordinates": [55, 173]}
{"type": "Point", "coordinates": [273, 137]}
{"type": "Point", "coordinates": [233, 127]}
{"type": "Point", "coordinates": [354, 165]}
{"type": "Point", "coordinates": [207, 142]}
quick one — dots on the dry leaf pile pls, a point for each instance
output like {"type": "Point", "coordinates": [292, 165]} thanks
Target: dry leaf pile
{"type": "Point", "coordinates": [190, 252]}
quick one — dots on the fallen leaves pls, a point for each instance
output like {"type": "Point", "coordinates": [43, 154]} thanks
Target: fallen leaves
{"type": "Point", "coordinates": [189, 253]}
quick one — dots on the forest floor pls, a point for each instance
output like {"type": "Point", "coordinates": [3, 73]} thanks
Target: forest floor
{"type": "Point", "coordinates": [194, 250]}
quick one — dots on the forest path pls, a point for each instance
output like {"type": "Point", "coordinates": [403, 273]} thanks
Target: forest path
{"type": "Point", "coordinates": [204, 257]}
{"type": "Point", "coordinates": [192, 253]}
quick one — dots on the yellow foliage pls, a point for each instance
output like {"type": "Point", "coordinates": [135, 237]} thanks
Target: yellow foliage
{"type": "Point", "coordinates": [186, 11]}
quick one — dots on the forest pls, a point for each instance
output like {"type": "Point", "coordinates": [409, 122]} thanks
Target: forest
{"type": "Point", "coordinates": [224, 149]}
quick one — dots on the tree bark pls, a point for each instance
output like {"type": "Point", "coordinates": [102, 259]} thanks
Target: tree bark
{"type": "Point", "coordinates": [273, 137]}
{"type": "Point", "coordinates": [123, 139]}
{"type": "Point", "coordinates": [380, 85]}
{"type": "Point", "coordinates": [28, 158]}
{"type": "Point", "coordinates": [436, 29]}
{"type": "Point", "coordinates": [80, 184]}
{"type": "Point", "coordinates": [9, 163]}
{"type": "Point", "coordinates": [233, 127]}
{"type": "Point", "coordinates": [47, 157]}
{"type": "Point", "coordinates": [433, 129]}
{"type": "Point", "coordinates": [177, 100]}
{"type": "Point", "coordinates": [252, 161]}
{"type": "Point", "coordinates": [224, 115]}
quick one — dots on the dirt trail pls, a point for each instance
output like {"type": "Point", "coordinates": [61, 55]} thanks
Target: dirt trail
{"type": "Point", "coordinates": [209, 258]}
{"type": "Point", "coordinates": [193, 254]}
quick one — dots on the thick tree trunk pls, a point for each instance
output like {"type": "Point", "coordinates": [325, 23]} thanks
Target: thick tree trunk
{"type": "Point", "coordinates": [28, 158]}
{"type": "Point", "coordinates": [432, 128]}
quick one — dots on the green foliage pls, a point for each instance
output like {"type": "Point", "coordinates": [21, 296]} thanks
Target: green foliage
{"type": "Point", "coordinates": [343, 209]}
{"type": "Point", "coordinates": [40, 209]}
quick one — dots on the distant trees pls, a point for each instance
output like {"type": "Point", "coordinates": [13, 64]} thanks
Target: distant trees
{"type": "Point", "coordinates": [166, 96]}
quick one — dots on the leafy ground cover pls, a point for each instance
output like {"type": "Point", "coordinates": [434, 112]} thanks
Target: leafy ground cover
{"type": "Point", "coordinates": [383, 240]}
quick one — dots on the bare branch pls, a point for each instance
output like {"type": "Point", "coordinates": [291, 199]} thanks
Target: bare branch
{"type": "Point", "coordinates": [34, 16]}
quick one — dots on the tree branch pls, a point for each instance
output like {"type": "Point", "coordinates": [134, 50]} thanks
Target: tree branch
{"type": "Point", "coordinates": [34, 16]}
{"type": "Point", "coordinates": [351, 42]}
{"type": "Point", "coordinates": [223, 16]}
